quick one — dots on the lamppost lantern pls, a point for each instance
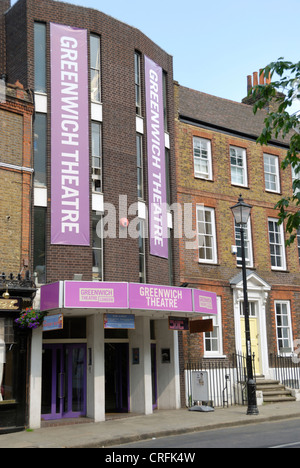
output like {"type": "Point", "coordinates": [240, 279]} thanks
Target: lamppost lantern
{"type": "Point", "coordinates": [241, 212]}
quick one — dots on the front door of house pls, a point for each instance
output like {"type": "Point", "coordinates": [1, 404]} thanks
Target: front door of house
{"type": "Point", "coordinates": [254, 333]}
{"type": "Point", "coordinates": [63, 381]}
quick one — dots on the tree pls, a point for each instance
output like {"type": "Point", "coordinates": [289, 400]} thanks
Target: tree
{"type": "Point", "coordinates": [277, 96]}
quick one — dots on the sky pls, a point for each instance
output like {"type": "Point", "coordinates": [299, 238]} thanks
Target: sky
{"type": "Point", "coordinates": [215, 44]}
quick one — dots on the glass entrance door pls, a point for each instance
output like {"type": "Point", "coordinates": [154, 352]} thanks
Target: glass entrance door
{"type": "Point", "coordinates": [116, 377]}
{"type": "Point", "coordinates": [63, 381]}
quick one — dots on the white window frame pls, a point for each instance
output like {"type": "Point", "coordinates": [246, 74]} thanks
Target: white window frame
{"type": "Point", "coordinates": [287, 326]}
{"type": "Point", "coordinates": [218, 333]}
{"type": "Point", "coordinates": [204, 146]}
{"type": "Point", "coordinates": [277, 244]}
{"type": "Point", "coordinates": [248, 244]}
{"type": "Point", "coordinates": [295, 177]}
{"type": "Point", "coordinates": [242, 155]}
{"type": "Point", "coordinates": [275, 174]}
{"type": "Point", "coordinates": [95, 71]}
{"type": "Point", "coordinates": [298, 239]}
{"type": "Point", "coordinates": [205, 237]}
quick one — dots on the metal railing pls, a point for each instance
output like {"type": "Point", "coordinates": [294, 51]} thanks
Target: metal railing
{"type": "Point", "coordinates": [226, 381]}
{"type": "Point", "coordinates": [286, 369]}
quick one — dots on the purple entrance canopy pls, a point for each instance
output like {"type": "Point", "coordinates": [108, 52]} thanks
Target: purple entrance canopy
{"type": "Point", "coordinates": [127, 296]}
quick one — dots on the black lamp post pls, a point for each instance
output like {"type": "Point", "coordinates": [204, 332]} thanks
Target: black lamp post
{"type": "Point", "coordinates": [241, 212]}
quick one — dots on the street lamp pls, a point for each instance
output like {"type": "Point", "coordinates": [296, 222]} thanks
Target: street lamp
{"type": "Point", "coordinates": [241, 212]}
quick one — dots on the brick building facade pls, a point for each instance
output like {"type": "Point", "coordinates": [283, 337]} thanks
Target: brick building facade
{"type": "Point", "coordinates": [16, 288]}
{"type": "Point", "coordinates": [129, 109]}
{"type": "Point", "coordinates": [217, 160]}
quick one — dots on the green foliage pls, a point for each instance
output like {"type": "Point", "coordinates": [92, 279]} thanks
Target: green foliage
{"type": "Point", "coordinates": [277, 97]}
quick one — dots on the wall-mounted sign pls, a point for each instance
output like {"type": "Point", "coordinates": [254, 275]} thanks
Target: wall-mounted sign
{"type": "Point", "coordinates": [156, 159]}
{"type": "Point", "coordinates": [201, 326]}
{"type": "Point", "coordinates": [99, 295]}
{"type": "Point", "coordinates": [119, 321]}
{"type": "Point", "coordinates": [70, 203]}
{"type": "Point", "coordinates": [205, 302]}
{"type": "Point", "coordinates": [53, 322]}
{"type": "Point", "coordinates": [153, 297]}
{"type": "Point", "coordinates": [10, 305]}
{"type": "Point", "coordinates": [177, 323]}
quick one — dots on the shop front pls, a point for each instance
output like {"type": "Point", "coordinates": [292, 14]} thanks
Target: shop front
{"type": "Point", "coordinates": [114, 349]}
{"type": "Point", "coordinates": [14, 352]}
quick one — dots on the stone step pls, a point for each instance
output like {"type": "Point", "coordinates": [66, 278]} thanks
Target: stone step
{"type": "Point", "coordinates": [278, 399]}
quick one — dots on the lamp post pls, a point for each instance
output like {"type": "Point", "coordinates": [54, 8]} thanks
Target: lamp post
{"type": "Point", "coordinates": [241, 212]}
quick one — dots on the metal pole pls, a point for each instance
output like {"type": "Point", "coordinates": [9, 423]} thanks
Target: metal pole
{"type": "Point", "coordinates": [251, 385]}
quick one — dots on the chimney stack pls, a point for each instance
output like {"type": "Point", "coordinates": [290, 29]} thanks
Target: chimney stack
{"type": "Point", "coordinates": [253, 80]}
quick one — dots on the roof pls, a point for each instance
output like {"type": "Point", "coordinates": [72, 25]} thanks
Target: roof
{"type": "Point", "coordinates": [222, 114]}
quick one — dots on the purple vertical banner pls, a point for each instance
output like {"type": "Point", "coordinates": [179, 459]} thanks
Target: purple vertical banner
{"type": "Point", "coordinates": [156, 159]}
{"type": "Point", "coordinates": [69, 136]}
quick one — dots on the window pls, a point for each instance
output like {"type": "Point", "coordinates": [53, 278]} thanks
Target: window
{"type": "Point", "coordinates": [139, 157]}
{"type": "Point", "coordinates": [247, 242]}
{"type": "Point", "coordinates": [95, 68]}
{"type": "Point", "coordinates": [213, 341]}
{"type": "Point", "coordinates": [277, 250]}
{"type": "Point", "coordinates": [142, 254]}
{"type": "Point", "coordinates": [40, 150]}
{"type": "Point", "coordinates": [96, 157]}
{"type": "Point", "coordinates": [298, 239]}
{"type": "Point", "coordinates": [40, 58]}
{"type": "Point", "coordinates": [283, 327]}
{"type": "Point", "coordinates": [271, 167]}
{"type": "Point", "coordinates": [39, 253]}
{"type": "Point", "coordinates": [206, 235]}
{"type": "Point", "coordinates": [295, 177]}
{"type": "Point", "coordinates": [238, 165]}
{"type": "Point", "coordinates": [97, 222]}
{"type": "Point", "coordinates": [165, 76]}
{"type": "Point", "coordinates": [202, 158]}
{"type": "Point", "coordinates": [8, 364]}
{"type": "Point", "coordinates": [137, 70]}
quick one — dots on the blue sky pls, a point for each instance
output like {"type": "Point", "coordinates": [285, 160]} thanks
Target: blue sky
{"type": "Point", "coordinates": [215, 43]}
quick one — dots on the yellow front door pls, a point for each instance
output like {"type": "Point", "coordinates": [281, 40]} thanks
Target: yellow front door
{"type": "Point", "coordinates": [254, 333]}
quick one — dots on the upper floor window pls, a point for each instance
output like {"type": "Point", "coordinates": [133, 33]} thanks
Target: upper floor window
{"type": "Point", "coordinates": [202, 158]}
{"type": "Point", "coordinates": [238, 165]}
{"type": "Point", "coordinates": [277, 248]}
{"type": "Point", "coordinates": [247, 242]}
{"type": "Point", "coordinates": [206, 230]}
{"type": "Point", "coordinates": [40, 81]}
{"type": "Point", "coordinates": [40, 149]}
{"type": "Point", "coordinates": [97, 223]}
{"type": "Point", "coordinates": [271, 168]}
{"type": "Point", "coordinates": [298, 239]}
{"type": "Point", "coordinates": [296, 176]}
{"type": "Point", "coordinates": [139, 157]}
{"type": "Point", "coordinates": [137, 71]}
{"type": "Point", "coordinates": [95, 68]}
{"type": "Point", "coordinates": [96, 157]}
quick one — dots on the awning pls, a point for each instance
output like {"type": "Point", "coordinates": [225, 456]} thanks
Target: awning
{"type": "Point", "coordinates": [136, 297]}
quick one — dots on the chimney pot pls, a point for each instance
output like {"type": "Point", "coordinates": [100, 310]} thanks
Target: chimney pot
{"type": "Point", "coordinates": [255, 79]}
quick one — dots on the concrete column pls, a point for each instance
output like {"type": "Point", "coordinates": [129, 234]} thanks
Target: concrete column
{"type": "Point", "coordinates": [95, 368]}
{"type": "Point", "coordinates": [140, 374]}
{"type": "Point", "coordinates": [168, 383]}
{"type": "Point", "coordinates": [35, 396]}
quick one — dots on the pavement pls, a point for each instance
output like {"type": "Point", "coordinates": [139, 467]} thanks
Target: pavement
{"type": "Point", "coordinates": [161, 423]}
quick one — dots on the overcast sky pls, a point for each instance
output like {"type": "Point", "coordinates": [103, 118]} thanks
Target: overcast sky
{"type": "Point", "coordinates": [215, 43]}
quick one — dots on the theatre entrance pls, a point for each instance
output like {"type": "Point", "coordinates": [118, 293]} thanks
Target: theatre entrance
{"type": "Point", "coordinates": [117, 378]}
{"type": "Point", "coordinates": [63, 381]}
